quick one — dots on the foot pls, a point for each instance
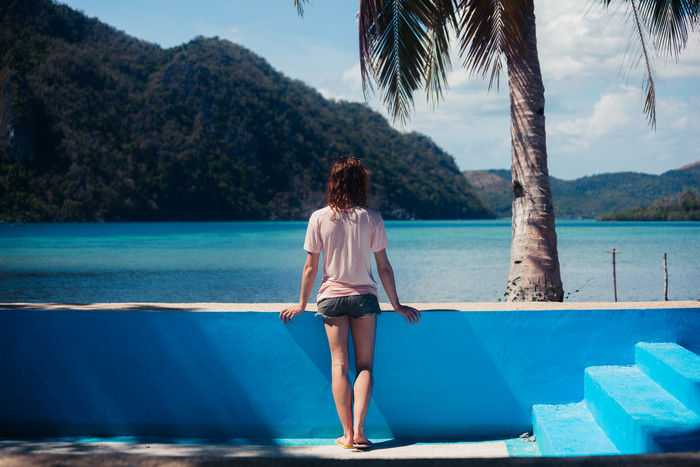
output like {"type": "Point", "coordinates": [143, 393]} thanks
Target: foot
{"type": "Point", "coordinates": [345, 442]}
{"type": "Point", "coordinates": [360, 439]}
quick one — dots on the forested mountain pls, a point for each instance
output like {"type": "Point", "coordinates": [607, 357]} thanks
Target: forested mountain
{"type": "Point", "coordinates": [96, 125]}
{"type": "Point", "coordinates": [594, 195]}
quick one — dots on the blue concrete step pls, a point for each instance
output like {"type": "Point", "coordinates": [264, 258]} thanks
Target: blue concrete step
{"type": "Point", "coordinates": [569, 430]}
{"type": "Point", "coordinates": [675, 368]}
{"type": "Point", "coordinates": [637, 414]}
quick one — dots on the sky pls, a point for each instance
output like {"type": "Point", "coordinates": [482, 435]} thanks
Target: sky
{"type": "Point", "coordinates": [594, 98]}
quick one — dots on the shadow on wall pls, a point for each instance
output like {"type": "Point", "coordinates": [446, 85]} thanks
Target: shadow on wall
{"type": "Point", "coordinates": [126, 373]}
{"type": "Point", "coordinates": [427, 388]}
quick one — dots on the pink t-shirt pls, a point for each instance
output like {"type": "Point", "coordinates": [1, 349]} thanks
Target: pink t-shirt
{"type": "Point", "coordinates": [346, 242]}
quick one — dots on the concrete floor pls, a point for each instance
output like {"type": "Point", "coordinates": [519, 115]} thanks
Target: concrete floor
{"type": "Point", "coordinates": [66, 453]}
{"type": "Point", "coordinates": [382, 450]}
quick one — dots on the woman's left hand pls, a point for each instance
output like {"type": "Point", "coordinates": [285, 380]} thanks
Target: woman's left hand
{"type": "Point", "coordinates": [411, 314]}
{"type": "Point", "coordinates": [288, 313]}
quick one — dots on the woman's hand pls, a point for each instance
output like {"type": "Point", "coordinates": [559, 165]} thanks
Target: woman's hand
{"type": "Point", "coordinates": [411, 314]}
{"type": "Point", "coordinates": [288, 313]}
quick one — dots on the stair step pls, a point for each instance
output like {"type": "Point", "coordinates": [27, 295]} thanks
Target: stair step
{"type": "Point", "coordinates": [637, 414]}
{"type": "Point", "coordinates": [675, 368]}
{"type": "Point", "coordinates": [569, 430]}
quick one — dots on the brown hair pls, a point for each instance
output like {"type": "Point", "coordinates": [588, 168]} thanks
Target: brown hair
{"type": "Point", "coordinates": [348, 184]}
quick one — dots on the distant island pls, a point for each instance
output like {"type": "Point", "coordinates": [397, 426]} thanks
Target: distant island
{"type": "Point", "coordinates": [98, 126]}
{"type": "Point", "coordinates": [596, 195]}
{"type": "Point", "coordinates": [685, 207]}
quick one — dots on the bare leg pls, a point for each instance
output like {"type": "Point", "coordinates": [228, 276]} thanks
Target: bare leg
{"type": "Point", "coordinates": [337, 330]}
{"type": "Point", "coordinates": [364, 331]}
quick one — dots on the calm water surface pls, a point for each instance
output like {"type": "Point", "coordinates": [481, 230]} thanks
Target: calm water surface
{"type": "Point", "coordinates": [434, 261]}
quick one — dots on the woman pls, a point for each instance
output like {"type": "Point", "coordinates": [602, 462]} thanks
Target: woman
{"type": "Point", "coordinates": [346, 231]}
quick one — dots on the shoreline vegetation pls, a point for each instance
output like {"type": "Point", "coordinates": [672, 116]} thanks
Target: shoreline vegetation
{"type": "Point", "coordinates": [594, 196]}
{"type": "Point", "coordinates": [684, 207]}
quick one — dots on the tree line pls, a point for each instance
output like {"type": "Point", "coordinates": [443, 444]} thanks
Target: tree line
{"type": "Point", "coordinates": [684, 207]}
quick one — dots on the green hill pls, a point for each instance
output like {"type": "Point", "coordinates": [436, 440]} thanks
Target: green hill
{"type": "Point", "coordinates": [684, 207]}
{"type": "Point", "coordinates": [594, 195]}
{"type": "Point", "coordinates": [96, 125]}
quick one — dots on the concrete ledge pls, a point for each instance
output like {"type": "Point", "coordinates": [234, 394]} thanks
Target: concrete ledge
{"type": "Point", "coordinates": [276, 307]}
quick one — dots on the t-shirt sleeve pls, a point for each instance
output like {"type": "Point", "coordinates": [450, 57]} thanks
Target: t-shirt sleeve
{"type": "Point", "coordinates": [378, 240]}
{"type": "Point", "coordinates": [313, 243]}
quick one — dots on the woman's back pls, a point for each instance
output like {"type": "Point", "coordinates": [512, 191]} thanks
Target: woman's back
{"type": "Point", "coordinates": [347, 238]}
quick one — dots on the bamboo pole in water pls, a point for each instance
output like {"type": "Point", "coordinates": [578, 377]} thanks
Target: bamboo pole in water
{"type": "Point", "coordinates": [614, 251]}
{"type": "Point", "coordinates": [665, 279]}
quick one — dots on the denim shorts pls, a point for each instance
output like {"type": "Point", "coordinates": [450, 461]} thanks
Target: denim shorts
{"type": "Point", "coordinates": [354, 306]}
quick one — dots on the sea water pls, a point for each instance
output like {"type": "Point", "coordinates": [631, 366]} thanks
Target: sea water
{"type": "Point", "coordinates": [434, 261]}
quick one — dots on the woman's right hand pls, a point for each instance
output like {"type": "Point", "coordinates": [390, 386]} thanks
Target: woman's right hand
{"type": "Point", "coordinates": [411, 314]}
{"type": "Point", "coordinates": [288, 313]}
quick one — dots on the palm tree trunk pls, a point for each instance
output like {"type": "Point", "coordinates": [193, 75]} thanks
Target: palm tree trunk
{"type": "Point", "coordinates": [534, 269]}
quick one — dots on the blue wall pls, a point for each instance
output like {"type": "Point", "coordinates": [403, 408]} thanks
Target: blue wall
{"type": "Point", "coordinates": [456, 375]}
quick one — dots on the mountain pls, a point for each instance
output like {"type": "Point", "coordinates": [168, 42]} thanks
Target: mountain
{"type": "Point", "coordinates": [591, 196]}
{"type": "Point", "coordinates": [96, 125]}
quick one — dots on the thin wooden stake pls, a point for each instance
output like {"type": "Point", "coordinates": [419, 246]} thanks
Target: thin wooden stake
{"type": "Point", "coordinates": [614, 251]}
{"type": "Point", "coordinates": [665, 279]}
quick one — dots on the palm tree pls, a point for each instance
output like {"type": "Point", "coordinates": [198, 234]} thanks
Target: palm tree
{"type": "Point", "coordinates": [404, 45]}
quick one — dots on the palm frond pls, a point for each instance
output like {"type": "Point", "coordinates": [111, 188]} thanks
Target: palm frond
{"type": "Point", "coordinates": [490, 32]}
{"type": "Point", "coordinates": [649, 87]}
{"type": "Point", "coordinates": [299, 4]}
{"type": "Point", "coordinates": [442, 21]}
{"type": "Point", "coordinates": [666, 23]}
{"type": "Point", "coordinates": [394, 44]}
{"type": "Point", "coordinates": [367, 18]}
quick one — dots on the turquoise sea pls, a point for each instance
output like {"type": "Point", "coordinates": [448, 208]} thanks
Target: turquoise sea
{"type": "Point", "coordinates": [434, 261]}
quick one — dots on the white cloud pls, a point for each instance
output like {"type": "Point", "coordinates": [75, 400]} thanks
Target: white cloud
{"type": "Point", "coordinates": [610, 113]}
{"type": "Point", "coordinates": [592, 41]}
{"type": "Point", "coordinates": [353, 76]}
{"type": "Point", "coordinates": [677, 114]}
{"type": "Point", "coordinates": [576, 41]}
{"type": "Point", "coordinates": [344, 85]}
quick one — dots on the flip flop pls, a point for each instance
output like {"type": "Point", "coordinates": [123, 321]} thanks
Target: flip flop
{"type": "Point", "coordinates": [344, 446]}
{"type": "Point", "coordinates": [366, 445]}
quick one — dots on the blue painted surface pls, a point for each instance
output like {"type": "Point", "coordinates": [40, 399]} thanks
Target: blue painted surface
{"type": "Point", "coordinates": [245, 375]}
{"type": "Point", "coordinates": [569, 430]}
{"type": "Point", "coordinates": [675, 368]}
{"type": "Point", "coordinates": [637, 414]}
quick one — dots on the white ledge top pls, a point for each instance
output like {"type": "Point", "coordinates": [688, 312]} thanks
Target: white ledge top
{"type": "Point", "coordinates": [276, 307]}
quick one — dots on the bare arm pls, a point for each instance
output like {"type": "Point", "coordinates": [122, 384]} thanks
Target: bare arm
{"type": "Point", "coordinates": [308, 276]}
{"type": "Point", "coordinates": [386, 274]}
